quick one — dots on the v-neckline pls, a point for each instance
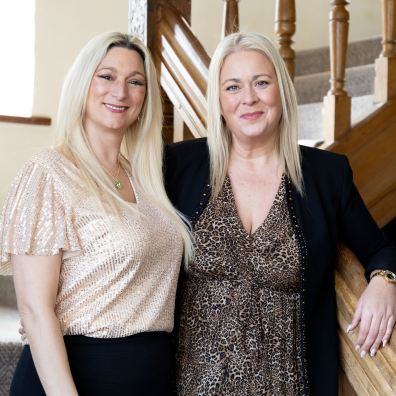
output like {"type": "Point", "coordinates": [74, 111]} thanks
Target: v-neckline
{"type": "Point", "coordinates": [71, 164]}
{"type": "Point", "coordinates": [236, 212]}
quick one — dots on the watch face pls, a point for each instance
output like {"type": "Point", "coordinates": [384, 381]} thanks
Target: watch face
{"type": "Point", "coordinates": [391, 276]}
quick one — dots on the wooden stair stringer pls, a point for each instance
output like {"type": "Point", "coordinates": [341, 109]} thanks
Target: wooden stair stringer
{"type": "Point", "coordinates": [371, 149]}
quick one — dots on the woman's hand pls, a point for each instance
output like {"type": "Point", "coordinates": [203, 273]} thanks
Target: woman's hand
{"type": "Point", "coordinates": [375, 315]}
{"type": "Point", "coordinates": [21, 331]}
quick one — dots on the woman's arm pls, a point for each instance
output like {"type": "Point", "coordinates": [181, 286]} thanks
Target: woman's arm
{"type": "Point", "coordinates": [376, 315]}
{"type": "Point", "coordinates": [36, 284]}
{"type": "Point", "coordinates": [376, 309]}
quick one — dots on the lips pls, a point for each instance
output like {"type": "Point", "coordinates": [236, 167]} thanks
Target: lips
{"type": "Point", "coordinates": [252, 116]}
{"type": "Point", "coordinates": [116, 109]}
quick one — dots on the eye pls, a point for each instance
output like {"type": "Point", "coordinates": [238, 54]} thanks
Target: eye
{"type": "Point", "coordinates": [261, 83]}
{"type": "Point", "coordinates": [105, 77]}
{"type": "Point", "coordinates": [232, 88]}
{"type": "Point", "coordinates": [138, 83]}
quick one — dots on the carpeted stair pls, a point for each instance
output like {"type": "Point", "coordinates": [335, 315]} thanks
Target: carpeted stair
{"type": "Point", "coordinates": [312, 84]}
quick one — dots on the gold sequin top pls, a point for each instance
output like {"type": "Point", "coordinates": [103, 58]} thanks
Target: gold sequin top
{"type": "Point", "coordinates": [117, 277]}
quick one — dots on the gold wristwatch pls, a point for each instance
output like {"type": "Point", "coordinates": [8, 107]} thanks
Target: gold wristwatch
{"type": "Point", "coordinates": [388, 275]}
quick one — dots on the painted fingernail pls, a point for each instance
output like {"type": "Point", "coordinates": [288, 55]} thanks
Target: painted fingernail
{"type": "Point", "coordinates": [357, 347]}
{"type": "Point", "coordinates": [363, 354]}
{"type": "Point", "coordinates": [348, 329]}
{"type": "Point", "coordinates": [373, 352]}
{"type": "Point", "coordinates": [384, 343]}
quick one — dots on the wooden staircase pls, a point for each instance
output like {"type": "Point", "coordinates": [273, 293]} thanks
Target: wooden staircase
{"type": "Point", "coordinates": [370, 145]}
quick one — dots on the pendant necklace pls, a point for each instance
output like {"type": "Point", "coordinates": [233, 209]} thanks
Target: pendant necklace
{"type": "Point", "coordinates": [116, 181]}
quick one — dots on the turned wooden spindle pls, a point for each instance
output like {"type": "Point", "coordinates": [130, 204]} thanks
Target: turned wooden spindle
{"type": "Point", "coordinates": [230, 17]}
{"type": "Point", "coordinates": [385, 65]}
{"type": "Point", "coordinates": [337, 103]}
{"type": "Point", "coordinates": [285, 27]}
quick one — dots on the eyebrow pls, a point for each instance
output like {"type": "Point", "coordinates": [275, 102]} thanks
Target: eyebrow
{"type": "Point", "coordinates": [134, 73]}
{"type": "Point", "coordinates": [237, 80]}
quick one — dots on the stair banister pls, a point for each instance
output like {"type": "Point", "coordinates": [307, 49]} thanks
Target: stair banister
{"type": "Point", "coordinates": [285, 27]}
{"type": "Point", "coordinates": [337, 103]}
{"type": "Point", "coordinates": [385, 65]}
{"type": "Point", "coordinates": [183, 66]}
{"type": "Point", "coordinates": [371, 375]}
{"type": "Point", "coordinates": [230, 17]}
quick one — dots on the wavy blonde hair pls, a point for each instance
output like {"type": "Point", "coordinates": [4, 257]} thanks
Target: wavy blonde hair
{"type": "Point", "coordinates": [219, 136]}
{"type": "Point", "coordinates": [142, 145]}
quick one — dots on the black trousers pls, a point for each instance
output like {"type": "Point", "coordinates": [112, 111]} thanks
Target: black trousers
{"type": "Point", "coordinates": [138, 365]}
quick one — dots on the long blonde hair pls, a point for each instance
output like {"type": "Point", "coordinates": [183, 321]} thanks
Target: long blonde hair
{"type": "Point", "coordinates": [219, 136]}
{"type": "Point", "coordinates": [142, 145]}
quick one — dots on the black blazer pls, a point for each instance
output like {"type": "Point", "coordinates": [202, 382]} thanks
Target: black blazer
{"type": "Point", "coordinates": [330, 211]}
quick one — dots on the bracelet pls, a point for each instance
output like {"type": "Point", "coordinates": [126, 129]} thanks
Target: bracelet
{"type": "Point", "coordinates": [388, 275]}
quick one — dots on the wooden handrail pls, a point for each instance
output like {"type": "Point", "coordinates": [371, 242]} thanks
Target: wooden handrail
{"type": "Point", "coordinates": [285, 27]}
{"type": "Point", "coordinates": [371, 375]}
{"type": "Point", "coordinates": [183, 68]}
{"type": "Point", "coordinates": [230, 17]}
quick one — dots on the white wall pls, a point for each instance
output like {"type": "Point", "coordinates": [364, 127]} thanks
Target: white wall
{"type": "Point", "coordinates": [63, 27]}
{"type": "Point", "coordinates": [312, 20]}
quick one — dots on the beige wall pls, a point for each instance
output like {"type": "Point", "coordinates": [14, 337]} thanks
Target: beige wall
{"type": "Point", "coordinates": [63, 27]}
{"type": "Point", "coordinates": [312, 20]}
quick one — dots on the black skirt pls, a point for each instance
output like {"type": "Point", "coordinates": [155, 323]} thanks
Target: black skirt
{"type": "Point", "coordinates": [138, 365]}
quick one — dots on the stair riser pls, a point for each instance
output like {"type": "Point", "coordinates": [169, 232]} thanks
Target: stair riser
{"type": "Point", "coordinates": [7, 292]}
{"type": "Point", "coordinates": [359, 81]}
{"type": "Point", "coordinates": [318, 60]}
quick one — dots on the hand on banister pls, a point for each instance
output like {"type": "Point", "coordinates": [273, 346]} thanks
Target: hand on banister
{"type": "Point", "coordinates": [375, 315]}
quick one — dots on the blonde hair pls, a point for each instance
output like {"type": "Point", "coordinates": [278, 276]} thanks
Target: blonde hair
{"type": "Point", "coordinates": [219, 136]}
{"type": "Point", "coordinates": [142, 144]}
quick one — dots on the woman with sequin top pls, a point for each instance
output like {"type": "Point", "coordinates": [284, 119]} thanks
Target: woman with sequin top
{"type": "Point", "coordinates": [257, 303]}
{"type": "Point", "coordinates": [91, 238]}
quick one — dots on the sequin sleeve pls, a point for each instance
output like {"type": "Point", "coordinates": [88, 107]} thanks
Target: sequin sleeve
{"type": "Point", "coordinates": [35, 220]}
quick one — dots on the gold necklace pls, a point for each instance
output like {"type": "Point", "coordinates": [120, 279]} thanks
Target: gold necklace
{"type": "Point", "coordinates": [116, 181]}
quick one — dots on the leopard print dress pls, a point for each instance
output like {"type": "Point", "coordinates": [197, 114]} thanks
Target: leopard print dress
{"type": "Point", "coordinates": [239, 330]}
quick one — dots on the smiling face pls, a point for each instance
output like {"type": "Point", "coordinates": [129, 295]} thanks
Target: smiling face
{"type": "Point", "coordinates": [249, 96]}
{"type": "Point", "coordinates": [117, 92]}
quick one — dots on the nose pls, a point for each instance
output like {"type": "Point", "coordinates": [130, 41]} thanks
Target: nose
{"type": "Point", "coordinates": [249, 96]}
{"type": "Point", "coordinates": [119, 90]}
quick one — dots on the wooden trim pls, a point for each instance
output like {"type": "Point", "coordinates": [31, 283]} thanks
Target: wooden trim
{"type": "Point", "coordinates": [26, 120]}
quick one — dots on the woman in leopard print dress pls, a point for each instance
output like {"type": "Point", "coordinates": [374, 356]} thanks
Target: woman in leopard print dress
{"type": "Point", "coordinates": [257, 303]}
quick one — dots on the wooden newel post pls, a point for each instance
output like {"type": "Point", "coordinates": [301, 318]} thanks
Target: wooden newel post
{"type": "Point", "coordinates": [230, 17]}
{"type": "Point", "coordinates": [337, 103]}
{"type": "Point", "coordinates": [385, 65]}
{"type": "Point", "coordinates": [285, 27]}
